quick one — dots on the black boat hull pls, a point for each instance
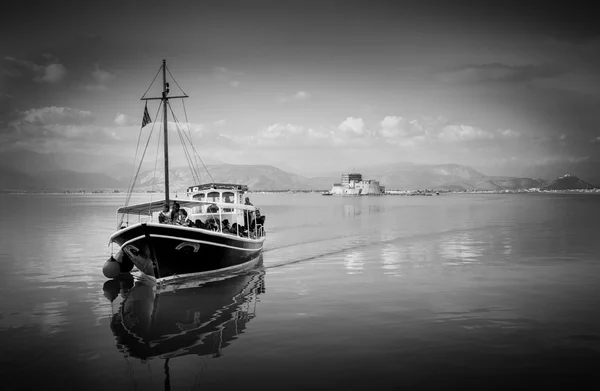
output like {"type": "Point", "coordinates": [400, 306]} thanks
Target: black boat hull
{"type": "Point", "coordinates": [169, 251]}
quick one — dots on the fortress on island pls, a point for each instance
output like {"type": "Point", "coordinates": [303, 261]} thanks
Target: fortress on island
{"type": "Point", "coordinates": [353, 185]}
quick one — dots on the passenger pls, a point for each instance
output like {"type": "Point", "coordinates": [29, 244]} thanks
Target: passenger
{"type": "Point", "coordinates": [213, 208]}
{"type": "Point", "coordinates": [183, 218]}
{"type": "Point", "coordinates": [164, 216]}
{"type": "Point", "coordinates": [226, 227]}
{"type": "Point", "coordinates": [198, 224]}
{"type": "Point", "coordinates": [228, 200]}
{"type": "Point", "coordinates": [248, 215]}
{"type": "Point", "coordinates": [174, 213]}
{"type": "Point", "coordinates": [210, 224]}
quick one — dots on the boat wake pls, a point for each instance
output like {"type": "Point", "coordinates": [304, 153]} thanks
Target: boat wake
{"type": "Point", "coordinates": [288, 254]}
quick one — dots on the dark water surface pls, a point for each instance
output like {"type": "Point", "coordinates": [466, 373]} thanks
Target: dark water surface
{"type": "Point", "coordinates": [475, 291]}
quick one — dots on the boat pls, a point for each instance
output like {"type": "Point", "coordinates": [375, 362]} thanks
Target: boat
{"type": "Point", "coordinates": [200, 318]}
{"type": "Point", "coordinates": [327, 193]}
{"type": "Point", "coordinates": [221, 232]}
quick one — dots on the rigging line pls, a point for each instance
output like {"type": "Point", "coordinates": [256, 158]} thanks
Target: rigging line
{"type": "Point", "coordinates": [132, 185]}
{"type": "Point", "coordinates": [196, 152]}
{"type": "Point", "coordinates": [189, 131]}
{"type": "Point", "coordinates": [172, 77]}
{"type": "Point", "coordinates": [130, 191]}
{"type": "Point", "coordinates": [154, 174]}
{"type": "Point", "coordinates": [187, 154]}
{"type": "Point", "coordinates": [180, 129]}
{"type": "Point", "coordinates": [135, 158]}
{"type": "Point", "coordinates": [159, 68]}
{"type": "Point", "coordinates": [188, 157]}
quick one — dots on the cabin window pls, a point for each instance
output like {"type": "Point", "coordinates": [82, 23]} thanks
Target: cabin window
{"type": "Point", "coordinates": [228, 197]}
{"type": "Point", "coordinates": [213, 196]}
{"type": "Point", "coordinates": [198, 197]}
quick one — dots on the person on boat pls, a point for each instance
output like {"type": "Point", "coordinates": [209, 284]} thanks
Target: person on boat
{"type": "Point", "coordinates": [174, 213]}
{"type": "Point", "coordinates": [164, 217]}
{"type": "Point", "coordinates": [213, 208]}
{"type": "Point", "coordinates": [228, 200]}
{"type": "Point", "coordinates": [248, 215]}
{"type": "Point", "coordinates": [226, 227]}
{"type": "Point", "coordinates": [183, 219]}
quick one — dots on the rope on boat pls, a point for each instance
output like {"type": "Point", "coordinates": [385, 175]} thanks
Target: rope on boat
{"type": "Point", "coordinates": [159, 68]}
{"type": "Point", "coordinates": [190, 137]}
{"type": "Point", "coordinates": [172, 77]}
{"type": "Point", "coordinates": [132, 183]}
{"type": "Point", "coordinates": [188, 157]}
{"type": "Point", "coordinates": [154, 175]}
{"type": "Point", "coordinates": [194, 149]}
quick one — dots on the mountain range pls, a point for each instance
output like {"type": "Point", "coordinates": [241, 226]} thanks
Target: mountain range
{"type": "Point", "coordinates": [31, 171]}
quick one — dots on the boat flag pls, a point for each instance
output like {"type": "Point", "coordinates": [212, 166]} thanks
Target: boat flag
{"type": "Point", "coordinates": [146, 120]}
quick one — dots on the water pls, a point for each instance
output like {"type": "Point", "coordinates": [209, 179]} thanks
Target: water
{"type": "Point", "coordinates": [476, 291]}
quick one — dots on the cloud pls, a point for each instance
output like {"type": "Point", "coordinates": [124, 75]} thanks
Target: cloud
{"type": "Point", "coordinates": [300, 95]}
{"type": "Point", "coordinates": [123, 120]}
{"type": "Point", "coordinates": [509, 133]}
{"type": "Point", "coordinates": [228, 76]}
{"type": "Point", "coordinates": [101, 78]}
{"type": "Point", "coordinates": [463, 132]}
{"type": "Point", "coordinates": [286, 136]}
{"type": "Point", "coordinates": [496, 72]}
{"type": "Point", "coordinates": [53, 72]}
{"type": "Point", "coordinates": [394, 126]}
{"type": "Point", "coordinates": [56, 116]}
{"type": "Point", "coordinates": [220, 122]}
{"type": "Point", "coordinates": [354, 125]}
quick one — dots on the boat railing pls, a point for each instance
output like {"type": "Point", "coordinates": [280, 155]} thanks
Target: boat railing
{"type": "Point", "coordinates": [241, 214]}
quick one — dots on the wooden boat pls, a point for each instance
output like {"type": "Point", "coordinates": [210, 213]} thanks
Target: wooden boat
{"type": "Point", "coordinates": [221, 233]}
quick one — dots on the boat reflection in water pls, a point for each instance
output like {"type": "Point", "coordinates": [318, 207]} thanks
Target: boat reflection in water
{"type": "Point", "coordinates": [195, 317]}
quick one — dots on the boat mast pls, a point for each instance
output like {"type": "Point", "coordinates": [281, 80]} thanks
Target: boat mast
{"type": "Point", "coordinates": [165, 101]}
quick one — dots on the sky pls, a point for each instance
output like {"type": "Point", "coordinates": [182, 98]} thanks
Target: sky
{"type": "Point", "coordinates": [508, 88]}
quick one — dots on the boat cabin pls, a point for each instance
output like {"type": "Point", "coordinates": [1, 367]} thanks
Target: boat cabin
{"type": "Point", "coordinates": [204, 202]}
{"type": "Point", "coordinates": [213, 196]}
{"type": "Point", "coordinates": [217, 193]}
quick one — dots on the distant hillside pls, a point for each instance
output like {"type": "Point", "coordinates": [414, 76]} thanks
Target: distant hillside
{"type": "Point", "coordinates": [116, 175]}
{"type": "Point", "coordinates": [408, 176]}
{"type": "Point", "coordinates": [56, 180]}
{"type": "Point", "coordinates": [256, 177]}
{"type": "Point", "coordinates": [493, 183]}
{"type": "Point", "coordinates": [12, 180]}
{"type": "Point", "coordinates": [567, 182]}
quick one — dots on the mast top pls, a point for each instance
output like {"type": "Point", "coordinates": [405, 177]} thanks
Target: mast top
{"type": "Point", "coordinates": [165, 88]}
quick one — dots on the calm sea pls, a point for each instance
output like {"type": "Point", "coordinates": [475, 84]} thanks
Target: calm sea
{"type": "Point", "coordinates": [470, 291]}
